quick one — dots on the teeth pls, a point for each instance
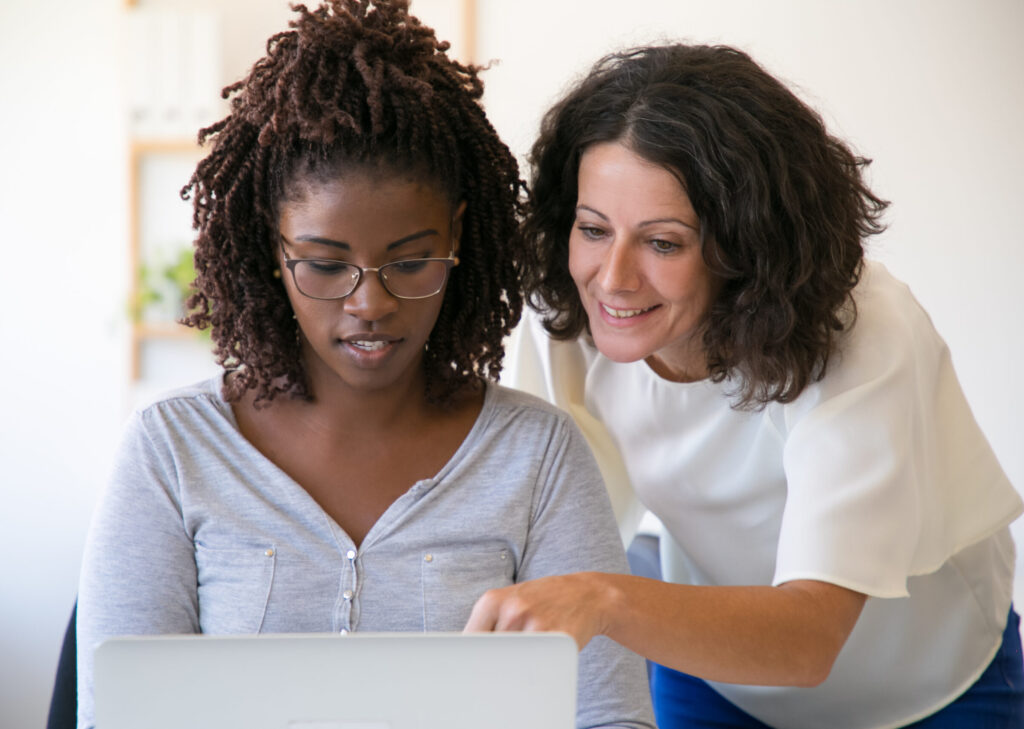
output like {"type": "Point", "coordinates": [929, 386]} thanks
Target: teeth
{"type": "Point", "coordinates": [623, 313]}
{"type": "Point", "coordinates": [369, 346]}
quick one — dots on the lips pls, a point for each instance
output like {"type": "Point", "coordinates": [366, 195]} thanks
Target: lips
{"type": "Point", "coordinates": [370, 345]}
{"type": "Point", "coordinates": [623, 313]}
{"type": "Point", "coordinates": [373, 340]}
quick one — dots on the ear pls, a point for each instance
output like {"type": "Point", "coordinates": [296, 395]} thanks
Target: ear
{"type": "Point", "coordinates": [457, 227]}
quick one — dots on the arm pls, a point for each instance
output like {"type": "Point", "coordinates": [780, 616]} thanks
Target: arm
{"type": "Point", "coordinates": [789, 634]}
{"type": "Point", "coordinates": [572, 529]}
{"type": "Point", "coordinates": [785, 635]}
{"type": "Point", "coordinates": [138, 569]}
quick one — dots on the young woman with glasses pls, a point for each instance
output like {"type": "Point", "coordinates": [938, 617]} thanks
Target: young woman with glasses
{"type": "Point", "coordinates": [356, 468]}
{"type": "Point", "coordinates": [838, 553]}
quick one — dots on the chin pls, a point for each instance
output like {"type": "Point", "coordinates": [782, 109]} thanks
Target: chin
{"type": "Point", "coordinates": [619, 351]}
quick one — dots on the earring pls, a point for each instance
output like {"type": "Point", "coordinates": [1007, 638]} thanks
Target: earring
{"type": "Point", "coordinates": [277, 273]}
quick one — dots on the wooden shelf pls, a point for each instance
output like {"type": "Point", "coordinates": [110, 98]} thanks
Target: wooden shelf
{"type": "Point", "coordinates": [138, 151]}
{"type": "Point", "coordinates": [164, 330]}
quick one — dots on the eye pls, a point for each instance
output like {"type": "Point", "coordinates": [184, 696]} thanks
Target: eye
{"type": "Point", "coordinates": [325, 267]}
{"type": "Point", "coordinates": [590, 232]}
{"type": "Point", "coordinates": [412, 266]}
{"type": "Point", "coordinates": [664, 246]}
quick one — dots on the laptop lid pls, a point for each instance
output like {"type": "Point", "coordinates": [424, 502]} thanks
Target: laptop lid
{"type": "Point", "coordinates": [327, 681]}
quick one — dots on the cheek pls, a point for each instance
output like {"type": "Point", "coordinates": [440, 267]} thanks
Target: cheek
{"type": "Point", "coordinates": [309, 314]}
{"type": "Point", "coordinates": [691, 288]}
{"type": "Point", "coordinates": [308, 321]}
{"type": "Point", "coordinates": [424, 317]}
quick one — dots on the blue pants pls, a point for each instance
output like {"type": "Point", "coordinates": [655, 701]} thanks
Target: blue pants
{"type": "Point", "coordinates": [995, 701]}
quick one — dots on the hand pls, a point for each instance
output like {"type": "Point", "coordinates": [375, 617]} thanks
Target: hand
{"type": "Point", "coordinates": [567, 603]}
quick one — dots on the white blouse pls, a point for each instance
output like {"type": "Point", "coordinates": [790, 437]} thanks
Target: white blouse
{"type": "Point", "coordinates": [876, 478]}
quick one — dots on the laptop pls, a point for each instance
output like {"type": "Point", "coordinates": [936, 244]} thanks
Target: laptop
{"type": "Point", "coordinates": [327, 681]}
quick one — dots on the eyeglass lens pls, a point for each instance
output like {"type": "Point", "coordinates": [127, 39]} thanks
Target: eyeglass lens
{"type": "Point", "coordinates": [413, 279]}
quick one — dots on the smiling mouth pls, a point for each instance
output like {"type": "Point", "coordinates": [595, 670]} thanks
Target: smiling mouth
{"type": "Point", "coordinates": [624, 313]}
{"type": "Point", "coordinates": [370, 342]}
{"type": "Point", "coordinates": [368, 346]}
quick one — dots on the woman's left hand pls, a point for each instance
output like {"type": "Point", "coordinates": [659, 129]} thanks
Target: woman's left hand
{"type": "Point", "coordinates": [570, 604]}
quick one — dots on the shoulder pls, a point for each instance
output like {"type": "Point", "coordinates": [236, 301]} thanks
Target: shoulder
{"type": "Point", "coordinates": [184, 406]}
{"type": "Point", "coordinates": [887, 309]}
{"type": "Point", "coordinates": [506, 402]}
{"type": "Point", "coordinates": [890, 368]}
{"type": "Point", "coordinates": [891, 345]}
{"type": "Point", "coordinates": [520, 424]}
{"type": "Point", "coordinates": [524, 432]}
{"type": "Point", "coordinates": [191, 422]}
{"type": "Point", "coordinates": [204, 389]}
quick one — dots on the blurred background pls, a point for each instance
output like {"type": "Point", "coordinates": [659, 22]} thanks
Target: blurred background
{"type": "Point", "coordinates": [101, 100]}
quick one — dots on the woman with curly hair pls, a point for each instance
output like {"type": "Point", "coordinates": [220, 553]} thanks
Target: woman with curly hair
{"type": "Point", "coordinates": [356, 468]}
{"type": "Point", "coordinates": [836, 551]}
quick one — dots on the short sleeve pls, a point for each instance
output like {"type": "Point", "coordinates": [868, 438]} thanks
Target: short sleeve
{"type": "Point", "coordinates": [887, 472]}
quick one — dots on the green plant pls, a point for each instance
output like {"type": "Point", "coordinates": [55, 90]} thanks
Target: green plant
{"type": "Point", "coordinates": [164, 287]}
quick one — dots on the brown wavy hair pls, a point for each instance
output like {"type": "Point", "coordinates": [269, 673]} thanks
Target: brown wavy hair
{"type": "Point", "coordinates": [351, 84]}
{"type": "Point", "coordinates": [783, 207]}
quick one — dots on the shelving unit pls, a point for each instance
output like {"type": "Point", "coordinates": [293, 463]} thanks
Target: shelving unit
{"type": "Point", "coordinates": [173, 75]}
{"type": "Point", "coordinates": [144, 159]}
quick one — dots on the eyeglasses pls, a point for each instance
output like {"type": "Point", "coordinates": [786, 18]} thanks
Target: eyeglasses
{"type": "Point", "coordinates": [323, 278]}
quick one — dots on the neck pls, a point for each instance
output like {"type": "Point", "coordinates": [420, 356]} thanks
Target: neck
{"type": "Point", "coordinates": [683, 362]}
{"type": "Point", "coordinates": [340, 409]}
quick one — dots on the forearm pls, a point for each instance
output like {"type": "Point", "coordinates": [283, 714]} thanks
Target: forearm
{"type": "Point", "coordinates": [761, 635]}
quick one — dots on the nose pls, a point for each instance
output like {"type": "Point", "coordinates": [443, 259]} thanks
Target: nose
{"type": "Point", "coordinates": [370, 301]}
{"type": "Point", "coordinates": [619, 270]}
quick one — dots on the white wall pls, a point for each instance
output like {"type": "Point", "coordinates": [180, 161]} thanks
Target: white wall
{"type": "Point", "coordinates": [62, 232]}
{"type": "Point", "coordinates": [931, 90]}
{"type": "Point", "coordinates": [63, 325]}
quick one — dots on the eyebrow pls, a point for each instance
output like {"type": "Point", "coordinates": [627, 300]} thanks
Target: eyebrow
{"type": "Point", "coordinates": [345, 246]}
{"type": "Point", "coordinates": [643, 223]}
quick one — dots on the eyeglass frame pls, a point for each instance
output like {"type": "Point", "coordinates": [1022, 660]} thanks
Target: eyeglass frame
{"type": "Point", "coordinates": [290, 263]}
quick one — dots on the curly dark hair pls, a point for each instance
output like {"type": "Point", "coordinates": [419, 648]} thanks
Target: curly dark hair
{"type": "Point", "coordinates": [783, 208]}
{"type": "Point", "coordinates": [353, 83]}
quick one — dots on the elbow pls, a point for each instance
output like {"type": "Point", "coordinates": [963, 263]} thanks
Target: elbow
{"type": "Point", "coordinates": [814, 676]}
{"type": "Point", "coordinates": [815, 667]}
{"type": "Point", "coordinates": [820, 638]}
